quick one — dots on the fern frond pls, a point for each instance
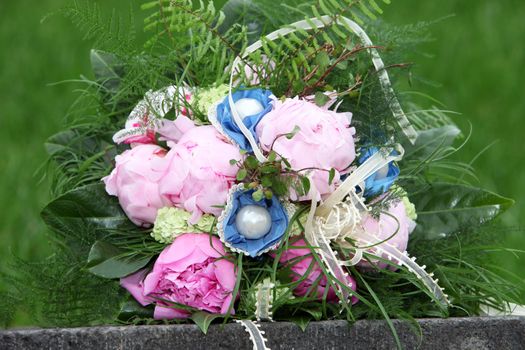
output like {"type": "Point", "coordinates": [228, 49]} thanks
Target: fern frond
{"type": "Point", "coordinates": [113, 33]}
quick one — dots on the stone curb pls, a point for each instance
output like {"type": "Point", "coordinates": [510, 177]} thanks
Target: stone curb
{"type": "Point", "coordinates": [477, 333]}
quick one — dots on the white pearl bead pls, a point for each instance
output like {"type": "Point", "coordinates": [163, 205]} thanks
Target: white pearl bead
{"type": "Point", "coordinates": [383, 172]}
{"type": "Point", "coordinates": [253, 221]}
{"type": "Point", "coordinates": [248, 107]}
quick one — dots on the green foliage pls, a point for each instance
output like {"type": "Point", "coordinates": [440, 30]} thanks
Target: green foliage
{"type": "Point", "coordinates": [193, 33]}
{"type": "Point", "coordinates": [87, 207]}
{"type": "Point", "coordinates": [73, 296]}
{"type": "Point", "coordinates": [107, 261]}
{"type": "Point", "coordinates": [445, 208]}
{"type": "Point", "coordinates": [81, 156]}
{"type": "Point", "coordinates": [113, 33]}
{"type": "Point", "coordinates": [204, 320]}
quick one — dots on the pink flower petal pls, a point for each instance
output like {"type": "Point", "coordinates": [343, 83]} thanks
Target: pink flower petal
{"type": "Point", "coordinates": [133, 283]}
{"type": "Point", "coordinates": [225, 274]}
{"type": "Point", "coordinates": [169, 313]}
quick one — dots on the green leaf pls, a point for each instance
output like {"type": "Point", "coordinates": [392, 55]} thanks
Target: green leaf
{"type": "Point", "coordinates": [107, 69]}
{"type": "Point", "coordinates": [251, 162]}
{"type": "Point", "coordinates": [105, 260]}
{"type": "Point", "coordinates": [321, 99]}
{"type": "Point", "coordinates": [241, 175]}
{"type": "Point", "coordinates": [291, 134]}
{"type": "Point", "coordinates": [59, 142]}
{"type": "Point", "coordinates": [87, 207]}
{"type": "Point", "coordinates": [204, 319]}
{"type": "Point", "coordinates": [305, 182]}
{"type": "Point", "coordinates": [233, 161]}
{"type": "Point", "coordinates": [302, 321]}
{"type": "Point", "coordinates": [322, 59]}
{"type": "Point", "coordinates": [131, 308]}
{"type": "Point", "coordinates": [266, 180]}
{"type": "Point", "coordinates": [272, 156]}
{"type": "Point", "coordinates": [316, 313]}
{"type": "Point", "coordinates": [279, 187]}
{"type": "Point", "coordinates": [258, 195]}
{"type": "Point", "coordinates": [331, 175]}
{"type": "Point", "coordinates": [269, 169]}
{"type": "Point", "coordinates": [446, 208]}
{"type": "Point", "coordinates": [428, 141]}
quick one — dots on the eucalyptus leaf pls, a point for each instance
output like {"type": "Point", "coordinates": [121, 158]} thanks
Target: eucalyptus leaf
{"type": "Point", "coordinates": [88, 207]}
{"type": "Point", "coordinates": [204, 319]}
{"type": "Point", "coordinates": [105, 260]}
{"type": "Point", "coordinates": [445, 208]}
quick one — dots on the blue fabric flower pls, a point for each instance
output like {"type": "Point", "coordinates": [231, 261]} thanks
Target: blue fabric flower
{"type": "Point", "coordinates": [225, 117]}
{"type": "Point", "coordinates": [255, 247]}
{"type": "Point", "coordinates": [377, 184]}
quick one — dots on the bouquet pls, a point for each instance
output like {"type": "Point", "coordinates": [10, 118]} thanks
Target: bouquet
{"type": "Point", "coordinates": [256, 164]}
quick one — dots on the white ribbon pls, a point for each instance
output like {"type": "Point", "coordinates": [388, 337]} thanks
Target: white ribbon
{"type": "Point", "coordinates": [317, 239]}
{"type": "Point", "coordinates": [150, 111]}
{"type": "Point", "coordinates": [378, 160]}
{"type": "Point", "coordinates": [256, 334]}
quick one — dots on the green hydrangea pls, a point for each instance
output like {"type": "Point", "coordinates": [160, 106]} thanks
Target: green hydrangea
{"type": "Point", "coordinates": [206, 98]}
{"type": "Point", "coordinates": [410, 208]}
{"type": "Point", "coordinates": [173, 222]}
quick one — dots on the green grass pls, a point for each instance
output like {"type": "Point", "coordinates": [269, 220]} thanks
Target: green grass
{"type": "Point", "coordinates": [478, 60]}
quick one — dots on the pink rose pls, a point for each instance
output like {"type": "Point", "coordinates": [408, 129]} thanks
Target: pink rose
{"type": "Point", "coordinates": [324, 141]}
{"type": "Point", "coordinates": [191, 271]}
{"type": "Point", "coordinates": [394, 223]}
{"type": "Point", "coordinates": [200, 174]}
{"type": "Point", "coordinates": [299, 261]}
{"type": "Point", "coordinates": [135, 181]}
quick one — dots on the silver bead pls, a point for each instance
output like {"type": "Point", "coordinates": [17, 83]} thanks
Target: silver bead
{"type": "Point", "coordinates": [253, 221]}
{"type": "Point", "coordinates": [248, 107]}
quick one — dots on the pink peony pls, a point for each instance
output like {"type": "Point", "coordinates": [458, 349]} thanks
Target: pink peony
{"type": "Point", "coordinates": [394, 223]}
{"type": "Point", "coordinates": [324, 141]}
{"type": "Point", "coordinates": [200, 173]}
{"type": "Point", "coordinates": [299, 261]}
{"type": "Point", "coordinates": [191, 271]}
{"type": "Point", "coordinates": [135, 181]}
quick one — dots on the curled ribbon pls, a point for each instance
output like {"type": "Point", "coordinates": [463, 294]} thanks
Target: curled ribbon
{"type": "Point", "coordinates": [325, 223]}
{"type": "Point", "coordinates": [338, 218]}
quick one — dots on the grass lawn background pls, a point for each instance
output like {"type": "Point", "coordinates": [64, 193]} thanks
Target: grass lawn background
{"type": "Point", "coordinates": [478, 61]}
